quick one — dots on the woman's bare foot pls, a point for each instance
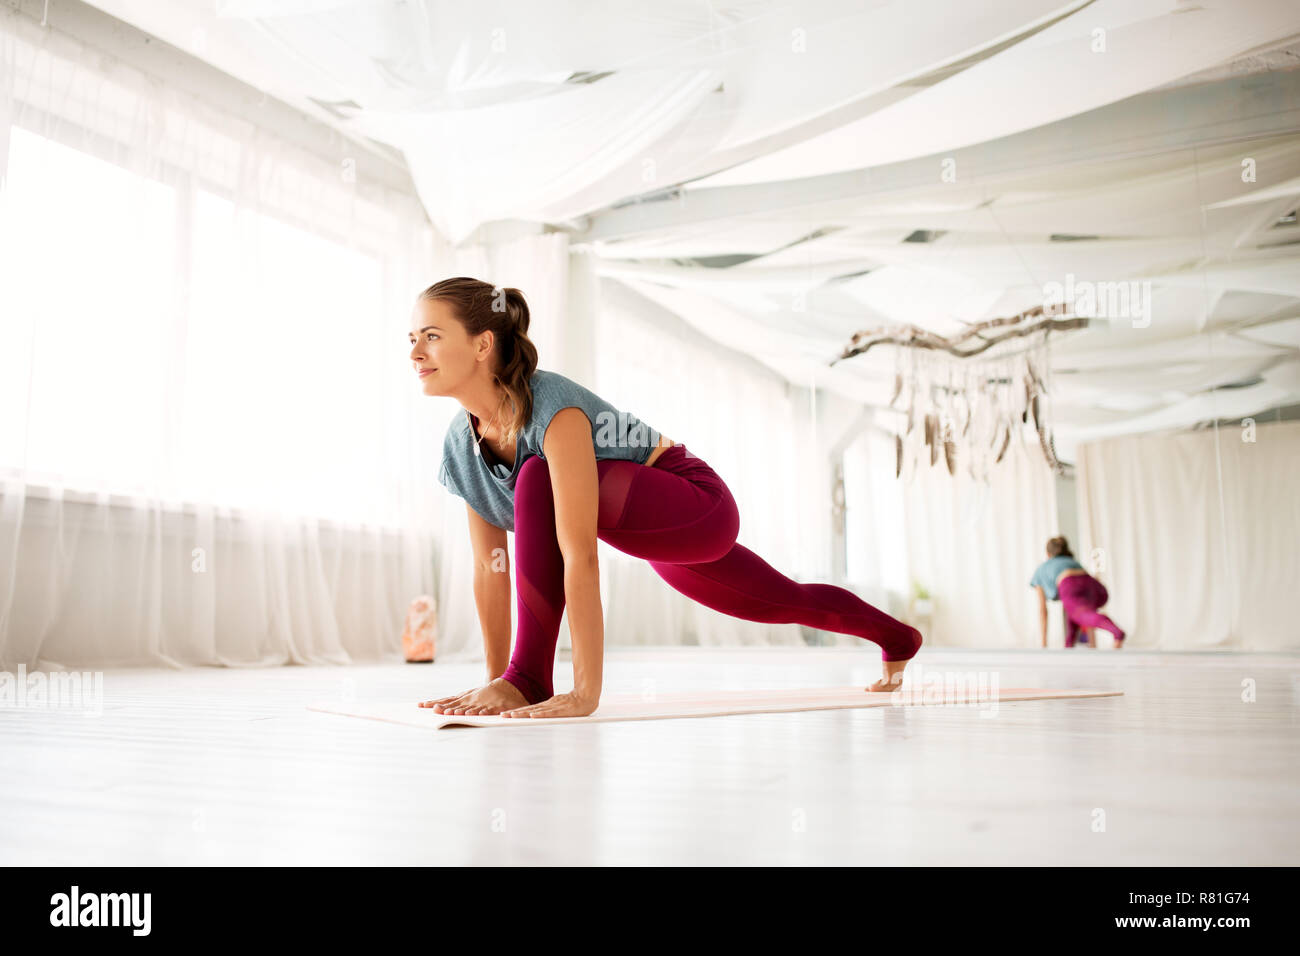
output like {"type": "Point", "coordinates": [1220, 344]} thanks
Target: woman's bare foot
{"type": "Point", "coordinates": [893, 670]}
{"type": "Point", "coordinates": [893, 679]}
{"type": "Point", "coordinates": [493, 698]}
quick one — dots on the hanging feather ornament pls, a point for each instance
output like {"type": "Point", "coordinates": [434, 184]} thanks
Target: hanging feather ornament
{"type": "Point", "coordinates": [1049, 452]}
{"type": "Point", "coordinates": [970, 412]}
{"type": "Point", "coordinates": [911, 410]}
{"type": "Point", "coordinates": [950, 412]}
{"type": "Point", "coordinates": [1033, 376]}
{"type": "Point", "coordinates": [1046, 440]}
{"type": "Point", "coordinates": [911, 453]}
{"type": "Point", "coordinates": [911, 396]}
{"type": "Point", "coordinates": [1006, 442]}
{"type": "Point", "coordinates": [966, 406]}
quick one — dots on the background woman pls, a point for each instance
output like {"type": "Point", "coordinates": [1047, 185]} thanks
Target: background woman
{"type": "Point", "coordinates": [1080, 593]}
{"type": "Point", "coordinates": [537, 453]}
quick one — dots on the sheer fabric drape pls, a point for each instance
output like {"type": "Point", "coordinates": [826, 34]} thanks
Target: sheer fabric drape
{"type": "Point", "coordinates": [210, 447]}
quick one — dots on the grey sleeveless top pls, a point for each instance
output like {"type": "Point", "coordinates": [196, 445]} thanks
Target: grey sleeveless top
{"type": "Point", "coordinates": [490, 488]}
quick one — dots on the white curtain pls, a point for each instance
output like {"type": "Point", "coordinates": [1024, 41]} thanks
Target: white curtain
{"type": "Point", "coordinates": [211, 446]}
{"type": "Point", "coordinates": [1194, 535]}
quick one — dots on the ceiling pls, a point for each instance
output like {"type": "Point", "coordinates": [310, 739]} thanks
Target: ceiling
{"type": "Point", "coordinates": [783, 175]}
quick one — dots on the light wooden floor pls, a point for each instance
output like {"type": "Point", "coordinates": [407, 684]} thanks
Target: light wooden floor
{"type": "Point", "coordinates": [225, 766]}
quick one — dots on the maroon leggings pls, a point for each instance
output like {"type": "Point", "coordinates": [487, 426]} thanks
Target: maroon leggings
{"type": "Point", "coordinates": [1081, 595]}
{"type": "Point", "coordinates": [680, 516]}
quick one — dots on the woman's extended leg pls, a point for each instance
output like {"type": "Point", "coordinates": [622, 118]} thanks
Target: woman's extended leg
{"type": "Point", "coordinates": [1081, 595]}
{"type": "Point", "coordinates": [744, 585]}
{"type": "Point", "coordinates": [679, 516]}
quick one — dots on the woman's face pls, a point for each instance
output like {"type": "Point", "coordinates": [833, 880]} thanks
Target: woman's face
{"type": "Point", "coordinates": [442, 352]}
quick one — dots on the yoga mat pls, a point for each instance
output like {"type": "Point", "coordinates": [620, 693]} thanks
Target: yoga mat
{"type": "Point", "coordinates": [717, 703]}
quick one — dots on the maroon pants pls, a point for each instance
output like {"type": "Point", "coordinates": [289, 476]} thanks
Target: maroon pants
{"type": "Point", "coordinates": [1081, 595]}
{"type": "Point", "coordinates": [679, 516]}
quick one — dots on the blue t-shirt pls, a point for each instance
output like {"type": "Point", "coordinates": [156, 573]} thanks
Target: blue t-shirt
{"type": "Point", "coordinates": [1045, 576]}
{"type": "Point", "coordinates": [490, 489]}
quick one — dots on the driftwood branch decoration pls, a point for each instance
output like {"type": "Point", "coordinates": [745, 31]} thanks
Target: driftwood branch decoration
{"type": "Point", "coordinates": [914, 337]}
{"type": "Point", "coordinates": [975, 419]}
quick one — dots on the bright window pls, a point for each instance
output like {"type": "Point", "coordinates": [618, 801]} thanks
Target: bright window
{"type": "Point", "coordinates": [164, 340]}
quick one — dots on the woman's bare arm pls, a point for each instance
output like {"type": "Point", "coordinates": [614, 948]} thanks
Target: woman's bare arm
{"type": "Point", "coordinates": [571, 456]}
{"type": "Point", "coordinates": [491, 590]}
{"type": "Point", "coordinates": [1042, 612]}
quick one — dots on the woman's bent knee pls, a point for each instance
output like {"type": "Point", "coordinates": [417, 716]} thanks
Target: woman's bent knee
{"type": "Point", "coordinates": [532, 470]}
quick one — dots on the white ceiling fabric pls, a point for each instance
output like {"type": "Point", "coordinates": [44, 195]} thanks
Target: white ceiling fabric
{"type": "Point", "coordinates": [823, 43]}
{"type": "Point", "coordinates": [514, 160]}
{"type": "Point", "coordinates": [770, 171]}
{"type": "Point", "coordinates": [408, 68]}
{"type": "Point", "coordinates": [1051, 75]}
{"type": "Point", "coordinates": [1278, 275]}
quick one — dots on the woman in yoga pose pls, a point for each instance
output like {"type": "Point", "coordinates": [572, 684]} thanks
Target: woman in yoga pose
{"type": "Point", "coordinates": [535, 452]}
{"type": "Point", "coordinates": [1081, 594]}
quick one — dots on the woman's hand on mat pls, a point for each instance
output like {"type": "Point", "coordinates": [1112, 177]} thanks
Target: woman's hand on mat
{"type": "Point", "coordinates": [570, 704]}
